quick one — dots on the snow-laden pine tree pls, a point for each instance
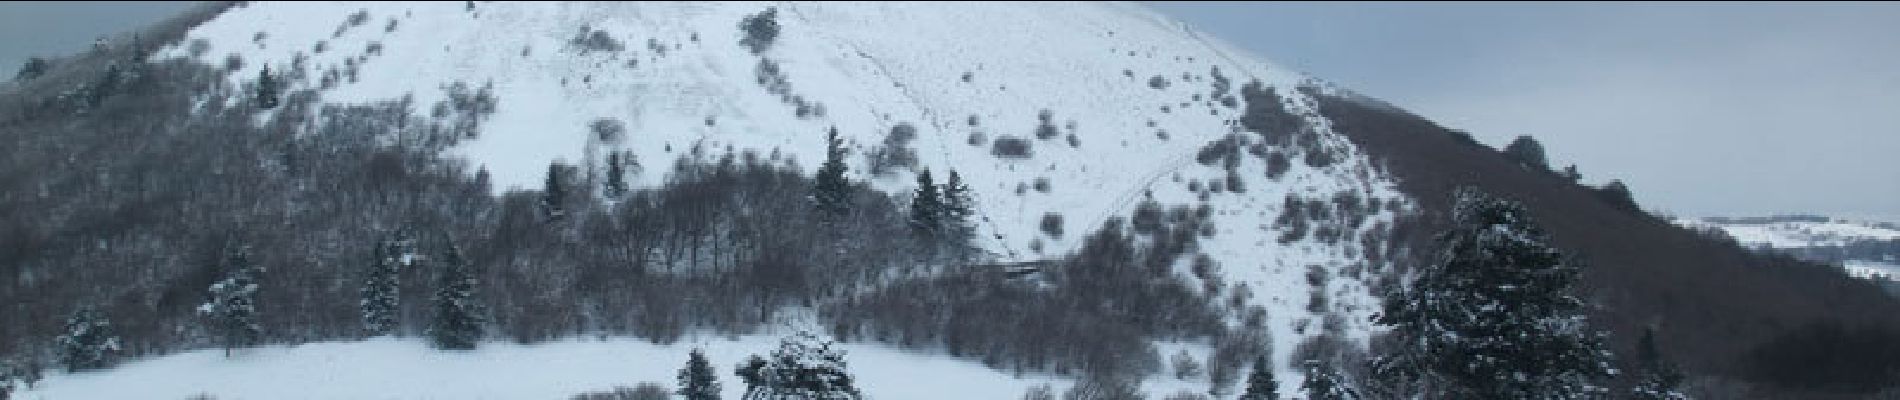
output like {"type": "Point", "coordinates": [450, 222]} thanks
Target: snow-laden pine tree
{"type": "Point", "coordinates": [926, 207]}
{"type": "Point", "coordinates": [1260, 382]}
{"type": "Point", "coordinates": [697, 380]}
{"type": "Point", "coordinates": [1659, 379]}
{"type": "Point", "coordinates": [1323, 382]}
{"type": "Point", "coordinates": [554, 193]}
{"type": "Point", "coordinates": [266, 89]}
{"type": "Point", "coordinates": [88, 342]}
{"type": "Point", "coordinates": [616, 184]}
{"type": "Point", "coordinates": [831, 193]}
{"type": "Point", "coordinates": [382, 290]}
{"type": "Point", "coordinates": [231, 310]}
{"type": "Point", "coordinates": [1493, 316]}
{"type": "Point", "coordinates": [802, 368]}
{"type": "Point", "coordinates": [458, 320]}
{"type": "Point", "coordinates": [958, 206]}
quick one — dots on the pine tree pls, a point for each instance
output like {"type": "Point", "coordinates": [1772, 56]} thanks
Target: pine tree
{"type": "Point", "coordinates": [266, 89]}
{"type": "Point", "coordinates": [458, 316]}
{"type": "Point", "coordinates": [1324, 383]}
{"type": "Point", "coordinates": [1527, 151]}
{"type": "Point", "coordinates": [1660, 379]}
{"type": "Point", "coordinates": [958, 206]}
{"type": "Point", "coordinates": [1493, 317]}
{"type": "Point", "coordinates": [616, 184]}
{"type": "Point", "coordinates": [88, 342]}
{"type": "Point", "coordinates": [697, 380]}
{"type": "Point", "coordinates": [1260, 382]}
{"type": "Point", "coordinates": [832, 193]}
{"type": "Point", "coordinates": [232, 309]}
{"type": "Point", "coordinates": [926, 207]}
{"type": "Point", "coordinates": [382, 286]}
{"type": "Point", "coordinates": [803, 367]}
{"type": "Point", "coordinates": [554, 193]}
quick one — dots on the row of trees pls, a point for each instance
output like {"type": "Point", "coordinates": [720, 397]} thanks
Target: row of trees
{"type": "Point", "coordinates": [231, 311]}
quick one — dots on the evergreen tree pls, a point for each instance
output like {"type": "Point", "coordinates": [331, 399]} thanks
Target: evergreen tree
{"type": "Point", "coordinates": [1660, 380]}
{"type": "Point", "coordinates": [1570, 173]}
{"type": "Point", "coordinates": [832, 193]}
{"type": "Point", "coordinates": [1493, 317]}
{"type": "Point", "coordinates": [382, 287]}
{"type": "Point", "coordinates": [616, 184]}
{"type": "Point", "coordinates": [697, 380]}
{"type": "Point", "coordinates": [1619, 196]}
{"type": "Point", "coordinates": [1260, 382]}
{"type": "Point", "coordinates": [926, 207]}
{"type": "Point", "coordinates": [554, 193]}
{"type": "Point", "coordinates": [266, 89]}
{"type": "Point", "coordinates": [232, 309]}
{"type": "Point", "coordinates": [1527, 151]}
{"type": "Point", "coordinates": [957, 205]}
{"type": "Point", "coordinates": [804, 368]}
{"type": "Point", "coordinates": [88, 341]}
{"type": "Point", "coordinates": [1324, 383]}
{"type": "Point", "coordinates": [458, 316]}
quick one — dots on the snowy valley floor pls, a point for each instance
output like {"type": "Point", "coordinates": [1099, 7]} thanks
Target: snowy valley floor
{"type": "Point", "coordinates": [408, 369]}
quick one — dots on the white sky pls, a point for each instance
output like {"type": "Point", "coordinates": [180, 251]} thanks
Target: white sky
{"type": "Point", "coordinates": [1704, 109]}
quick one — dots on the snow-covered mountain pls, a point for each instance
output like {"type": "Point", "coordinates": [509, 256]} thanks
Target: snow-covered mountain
{"type": "Point", "coordinates": [1865, 248]}
{"type": "Point", "coordinates": [1060, 115]}
{"type": "Point", "coordinates": [1285, 200]}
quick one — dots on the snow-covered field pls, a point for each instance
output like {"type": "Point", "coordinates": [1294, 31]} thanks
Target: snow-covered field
{"type": "Point", "coordinates": [410, 369]}
{"type": "Point", "coordinates": [1792, 234]}
{"type": "Point", "coordinates": [387, 368]}
{"type": "Point", "coordinates": [1873, 269]}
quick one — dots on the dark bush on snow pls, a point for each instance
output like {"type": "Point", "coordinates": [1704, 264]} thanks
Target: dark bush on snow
{"type": "Point", "coordinates": [1010, 147]}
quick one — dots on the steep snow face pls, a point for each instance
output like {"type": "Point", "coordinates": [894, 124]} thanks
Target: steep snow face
{"type": "Point", "coordinates": [1130, 99]}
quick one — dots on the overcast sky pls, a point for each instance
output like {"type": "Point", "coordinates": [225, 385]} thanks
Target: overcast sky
{"type": "Point", "coordinates": [53, 28]}
{"type": "Point", "coordinates": [1703, 109]}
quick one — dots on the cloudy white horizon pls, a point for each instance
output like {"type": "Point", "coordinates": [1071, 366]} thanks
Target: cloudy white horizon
{"type": "Point", "coordinates": [1703, 109]}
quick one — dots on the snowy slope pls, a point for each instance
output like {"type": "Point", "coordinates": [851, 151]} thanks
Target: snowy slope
{"type": "Point", "coordinates": [683, 82]}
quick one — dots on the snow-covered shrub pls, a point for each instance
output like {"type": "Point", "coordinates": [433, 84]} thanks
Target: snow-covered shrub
{"type": "Point", "coordinates": [803, 367]}
{"type": "Point", "coordinates": [1185, 367]}
{"type": "Point", "coordinates": [589, 40]}
{"type": "Point", "coordinates": [644, 391]}
{"type": "Point", "coordinates": [760, 30]}
{"type": "Point", "coordinates": [895, 152]}
{"type": "Point", "coordinates": [88, 342]}
{"type": "Point", "coordinates": [1046, 128]}
{"type": "Point", "coordinates": [1104, 388]}
{"type": "Point", "coordinates": [1185, 395]}
{"type": "Point", "coordinates": [608, 130]}
{"type": "Point", "coordinates": [1052, 224]}
{"type": "Point", "coordinates": [1006, 146]}
{"type": "Point", "coordinates": [1040, 392]}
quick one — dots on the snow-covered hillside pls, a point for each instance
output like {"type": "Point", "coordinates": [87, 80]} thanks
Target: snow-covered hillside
{"type": "Point", "coordinates": [1117, 104]}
